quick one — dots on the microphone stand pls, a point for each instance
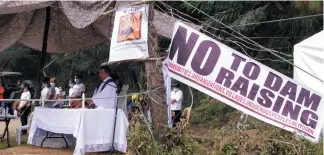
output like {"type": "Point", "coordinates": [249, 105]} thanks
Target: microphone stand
{"type": "Point", "coordinates": [112, 149]}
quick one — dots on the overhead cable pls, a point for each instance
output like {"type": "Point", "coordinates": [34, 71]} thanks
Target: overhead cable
{"type": "Point", "coordinates": [240, 38]}
{"type": "Point", "coordinates": [270, 51]}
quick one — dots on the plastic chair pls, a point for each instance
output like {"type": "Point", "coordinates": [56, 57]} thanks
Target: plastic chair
{"type": "Point", "coordinates": [185, 118]}
{"type": "Point", "coordinates": [18, 130]}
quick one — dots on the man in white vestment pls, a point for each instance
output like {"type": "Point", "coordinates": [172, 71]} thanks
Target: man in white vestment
{"type": "Point", "coordinates": [105, 95]}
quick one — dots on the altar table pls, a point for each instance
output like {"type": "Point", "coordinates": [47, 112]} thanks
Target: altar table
{"type": "Point", "coordinates": [92, 128]}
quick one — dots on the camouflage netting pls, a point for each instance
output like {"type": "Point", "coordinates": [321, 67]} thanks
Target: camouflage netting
{"type": "Point", "coordinates": [73, 25]}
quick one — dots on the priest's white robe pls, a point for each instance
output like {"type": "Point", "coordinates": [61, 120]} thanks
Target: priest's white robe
{"type": "Point", "coordinates": [106, 97]}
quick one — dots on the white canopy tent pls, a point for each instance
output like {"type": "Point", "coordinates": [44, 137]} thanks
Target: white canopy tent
{"type": "Point", "coordinates": [309, 55]}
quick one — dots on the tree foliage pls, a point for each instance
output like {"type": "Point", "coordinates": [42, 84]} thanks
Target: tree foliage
{"type": "Point", "coordinates": [279, 35]}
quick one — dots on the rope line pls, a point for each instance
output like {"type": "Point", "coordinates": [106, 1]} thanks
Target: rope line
{"type": "Point", "coordinates": [201, 22]}
{"type": "Point", "coordinates": [248, 24]}
{"type": "Point", "coordinates": [247, 46]}
{"type": "Point", "coordinates": [277, 20]}
{"type": "Point", "coordinates": [78, 99]}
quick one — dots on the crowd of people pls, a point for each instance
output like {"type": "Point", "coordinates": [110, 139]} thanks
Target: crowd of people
{"type": "Point", "coordinates": [52, 92]}
{"type": "Point", "coordinates": [104, 96]}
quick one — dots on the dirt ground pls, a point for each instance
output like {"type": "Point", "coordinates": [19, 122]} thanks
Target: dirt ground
{"type": "Point", "coordinates": [25, 149]}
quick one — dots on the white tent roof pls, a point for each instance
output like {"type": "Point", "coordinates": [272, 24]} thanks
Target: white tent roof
{"type": "Point", "coordinates": [309, 55]}
{"type": "Point", "coordinates": [315, 42]}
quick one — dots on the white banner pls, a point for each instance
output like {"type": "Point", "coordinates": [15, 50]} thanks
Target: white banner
{"type": "Point", "coordinates": [129, 37]}
{"type": "Point", "coordinates": [243, 83]}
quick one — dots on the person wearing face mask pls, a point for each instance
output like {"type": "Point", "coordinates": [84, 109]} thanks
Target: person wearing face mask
{"type": "Point", "coordinates": [45, 93]}
{"type": "Point", "coordinates": [71, 84]}
{"type": "Point", "coordinates": [61, 92]}
{"type": "Point", "coordinates": [176, 103]}
{"type": "Point", "coordinates": [59, 102]}
{"type": "Point", "coordinates": [78, 88]}
{"type": "Point", "coordinates": [53, 85]}
{"type": "Point", "coordinates": [23, 107]}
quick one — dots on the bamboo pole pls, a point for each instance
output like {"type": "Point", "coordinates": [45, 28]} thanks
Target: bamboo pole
{"type": "Point", "coordinates": [43, 53]}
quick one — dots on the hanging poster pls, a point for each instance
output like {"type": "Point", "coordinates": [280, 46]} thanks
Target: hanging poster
{"type": "Point", "coordinates": [243, 83]}
{"type": "Point", "coordinates": [129, 37]}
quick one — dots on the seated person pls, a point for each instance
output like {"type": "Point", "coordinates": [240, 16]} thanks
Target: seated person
{"type": "Point", "coordinates": [75, 104]}
{"type": "Point", "coordinates": [61, 95]}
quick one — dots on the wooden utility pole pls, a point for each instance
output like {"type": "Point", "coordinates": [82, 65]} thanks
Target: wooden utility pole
{"type": "Point", "coordinates": [154, 78]}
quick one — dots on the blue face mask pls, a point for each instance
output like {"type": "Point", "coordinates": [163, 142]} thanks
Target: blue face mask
{"type": "Point", "coordinates": [52, 84]}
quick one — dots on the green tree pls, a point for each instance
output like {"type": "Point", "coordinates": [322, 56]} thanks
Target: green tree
{"type": "Point", "coordinates": [275, 35]}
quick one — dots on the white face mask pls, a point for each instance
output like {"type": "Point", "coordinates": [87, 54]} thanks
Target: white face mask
{"type": "Point", "coordinates": [52, 84]}
{"type": "Point", "coordinates": [71, 85]}
{"type": "Point", "coordinates": [175, 89]}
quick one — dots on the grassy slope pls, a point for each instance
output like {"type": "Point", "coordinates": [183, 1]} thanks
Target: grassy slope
{"type": "Point", "coordinates": [212, 131]}
{"type": "Point", "coordinates": [256, 138]}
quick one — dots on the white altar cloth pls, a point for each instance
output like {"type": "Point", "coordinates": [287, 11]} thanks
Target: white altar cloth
{"type": "Point", "coordinates": [92, 128]}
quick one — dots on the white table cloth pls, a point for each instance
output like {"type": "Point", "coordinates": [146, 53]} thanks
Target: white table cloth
{"type": "Point", "coordinates": [92, 128]}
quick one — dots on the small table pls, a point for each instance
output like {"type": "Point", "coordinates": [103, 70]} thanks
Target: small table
{"type": "Point", "coordinates": [6, 118]}
{"type": "Point", "coordinates": [92, 128]}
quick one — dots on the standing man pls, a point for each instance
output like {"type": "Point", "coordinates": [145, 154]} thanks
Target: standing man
{"type": "Point", "coordinates": [78, 88]}
{"type": "Point", "coordinates": [53, 85]}
{"type": "Point", "coordinates": [176, 103]}
{"type": "Point", "coordinates": [105, 95]}
{"type": "Point", "coordinates": [47, 92]}
{"type": "Point", "coordinates": [24, 107]}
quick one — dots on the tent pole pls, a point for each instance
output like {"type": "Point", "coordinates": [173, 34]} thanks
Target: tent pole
{"type": "Point", "coordinates": [43, 53]}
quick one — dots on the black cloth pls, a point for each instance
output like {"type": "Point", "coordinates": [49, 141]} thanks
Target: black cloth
{"type": "Point", "coordinates": [176, 117]}
{"type": "Point", "coordinates": [24, 116]}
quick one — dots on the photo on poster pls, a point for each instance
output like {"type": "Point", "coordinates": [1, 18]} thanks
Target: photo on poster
{"type": "Point", "coordinates": [130, 27]}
